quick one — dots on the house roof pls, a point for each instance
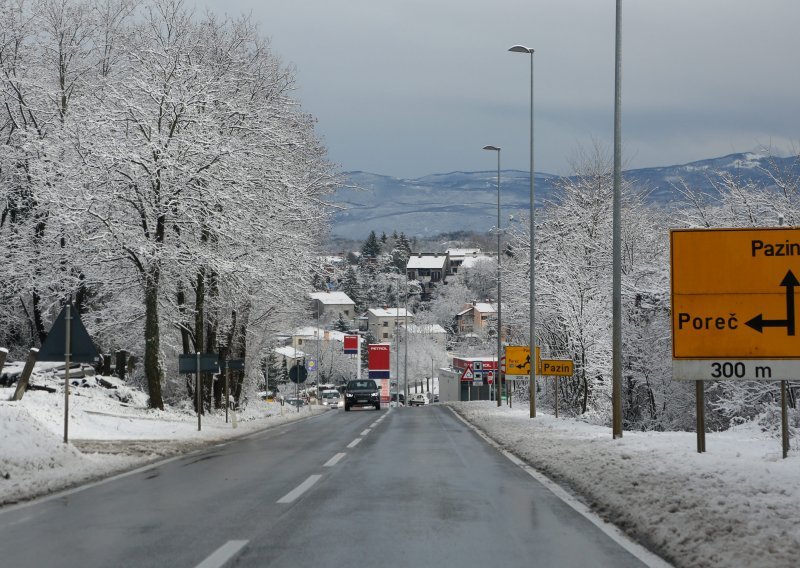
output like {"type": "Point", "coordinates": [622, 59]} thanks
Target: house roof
{"type": "Point", "coordinates": [332, 298]}
{"type": "Point", "coordinates": [426, 261]}
{"type": "Point", "coordinates": [470, 261]}
{"type": "Point", "coordinates": [312, 332]}
{"type": "Point", "coordinates": [389, 313]}
{"type": "Point", "coordinates": [484, 307]}
{"type": "Point", "coordinates": [289, 352]}
{"type": "Point", "coordinates": [426, 328]}
{"type": "Point", "coordinates": [458, 253]}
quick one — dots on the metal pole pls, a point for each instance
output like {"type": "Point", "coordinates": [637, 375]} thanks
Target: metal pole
{"type": "Point", "coordinates": [405, 336]}
{"type": "Point", "coordinates": [226, 391]}
{"type": "Point", "coordinates": [358, 359]}
{"type": "Point", "coordinates": [67, 354]}
{"type": "Point", "coordinates": [317, 366]}
{"type": "Point", "coordinates": [784, 421]}
{"type": "Point", "coordinates": [616, 364]}
{"type": "Point", "coordinates": [532, 331]}
{"type": "Point", "coordinates": [499, 309]}
{"type": "Point", "coordinates": [701, 416]}
{"type": "Point", "coordinates": [396, 346]}
{"type": "Point", "coordinates": [197, 389]}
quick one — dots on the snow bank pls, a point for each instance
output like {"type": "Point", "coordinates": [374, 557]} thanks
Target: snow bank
{"type": "Point", "coordinates": [735, 505]}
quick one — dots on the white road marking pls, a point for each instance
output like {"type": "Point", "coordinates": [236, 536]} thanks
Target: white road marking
{"type": "Point", "coordinates": [223, 554]}
{"type": "Point", "coordinates": [354, 443]}
{"type": "Point", "coordinates": [334, 460]}
{"type": "Point", "coordinates": [365, 432]}
{"type": "Point", "coordinates": [612, 531]}
{"type": "Point", "coordinates": [374, 424]}
{"type": "Point", "coordinates": [300, 489]}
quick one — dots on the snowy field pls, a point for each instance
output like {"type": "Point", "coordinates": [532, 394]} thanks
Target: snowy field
{"type": "Point", "coordinates": [735, 505]}
{"type": "Point", "coordinates": [738, 504]}
{"type": "Point", "coordinates": [106, 435]}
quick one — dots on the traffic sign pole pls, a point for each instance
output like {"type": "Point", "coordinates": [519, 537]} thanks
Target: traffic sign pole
{"type": "Point", "coordinates": [784, 421]}
{"type": "Point", "coordinates": [701, 417]}
{"type": "Point", "coordinates": [197, 388]}
{"type": "Point", "coordinates": [67, 354]}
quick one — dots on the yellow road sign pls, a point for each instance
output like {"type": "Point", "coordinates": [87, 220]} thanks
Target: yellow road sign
{"type": "Point", "coordinates": [518, 360]}
{"type": "Point", "coordinates": [733, 293]}
{"type": "Point", "coordinates": [557, 367]}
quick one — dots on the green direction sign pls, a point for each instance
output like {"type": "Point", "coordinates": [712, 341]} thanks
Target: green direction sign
{"type": "Point", "coordinates": [81, 347]}
{"type": "Point", "coordinates": [298, 373]}
{"type": "Point", "coordinates": [236, 364]}
{"type": "Point", "coordinates": [209, 363]}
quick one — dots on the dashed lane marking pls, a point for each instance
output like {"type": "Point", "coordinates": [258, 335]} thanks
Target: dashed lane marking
{"type": "Point", "coordinates": [354, 443]}
{"type": "Point", "coordinates": [334, 460]}
{"type": "Point", "coordinates": [224, 553]}
{"type": "Point", "coordinates": [300, 489]}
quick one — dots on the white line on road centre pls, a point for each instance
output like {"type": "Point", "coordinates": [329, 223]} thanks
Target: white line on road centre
{"type": "Point", "coordinates": [224, 553]}
{"type": "Point", "coordinates": [334, 460]}
{"type": "Point", "coordinates": [354, 443]}
{"type": "Point", "coordinates": [365, 432]}
{"type": "Point", "coordinates": [374, 424]}
{"type": "Point", "coordinates": [612, 531]}
{"type": "Point", "coordinates": [300, 489]}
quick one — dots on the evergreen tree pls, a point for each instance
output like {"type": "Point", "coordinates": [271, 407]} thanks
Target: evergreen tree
{"type": "Point", "coordinates": [284, 376]}
{"type": "Point", "coordinates": [371, 247]}
{"type": "Point", "coordinates": [341, 324]}
{"type": "Point", "coordinates": [351, 287]}
{"type": "Point", "coordinates": [383, 238]}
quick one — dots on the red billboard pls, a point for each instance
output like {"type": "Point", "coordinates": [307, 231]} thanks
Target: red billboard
{"type": "Point", "coordinates": [379, 360]}
{"type": "Point", "coordinates": [351, 344]}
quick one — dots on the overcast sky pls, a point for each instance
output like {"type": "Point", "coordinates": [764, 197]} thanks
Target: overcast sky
{"type": "Point", "coordinates": [412, 87]}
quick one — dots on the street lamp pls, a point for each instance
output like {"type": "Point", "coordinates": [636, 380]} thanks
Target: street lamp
{"type": "Point", "coordinates": [532, 318]}
{"type": "Point", "coordinates": [497, 391]}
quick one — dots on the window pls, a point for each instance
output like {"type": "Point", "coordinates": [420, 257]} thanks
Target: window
{"type": "Point", "coordinates": [347, 312]}
{"type": "Point", "coordinates": [385, 335]}
{"type": "Point", "coordinates": [386, 324]}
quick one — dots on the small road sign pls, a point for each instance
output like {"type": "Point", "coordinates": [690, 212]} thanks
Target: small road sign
{"type": "Point", "coordinates": [519, 360]}
{"type": "Point", "coordinates": [557, 367]}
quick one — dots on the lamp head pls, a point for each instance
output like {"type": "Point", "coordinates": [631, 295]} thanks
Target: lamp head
{"type": "Point", "coordinates": [520, 49]}
{"type": "Point", "coordinates": [494, 148]}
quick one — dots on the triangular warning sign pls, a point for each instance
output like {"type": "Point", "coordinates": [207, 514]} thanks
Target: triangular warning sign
{"type": "Point", "coordinates": [467, 374]}
{"type": "Point", "coordinates": [82, 350]}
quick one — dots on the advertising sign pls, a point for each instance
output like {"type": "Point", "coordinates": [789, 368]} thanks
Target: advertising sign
{"type": "Point", "coordinates": [379, 364]}
{"type": "Point", "coordinates": [351, 344]}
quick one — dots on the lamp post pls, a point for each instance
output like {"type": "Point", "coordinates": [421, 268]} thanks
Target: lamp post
{"type": "Point", "coordinates": [405, 339]}
{"type": "Point", "coordinates": [532, 314]}
{"type": "Point", "coordinates": [616, 280]}
{"type": "Point", "coordinates": [498, 391]}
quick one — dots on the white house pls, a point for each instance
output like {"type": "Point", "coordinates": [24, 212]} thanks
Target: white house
{"type": "Point", "coordinates": [381, 321]}
{"type": "Point", "coordinates": [328, 305]}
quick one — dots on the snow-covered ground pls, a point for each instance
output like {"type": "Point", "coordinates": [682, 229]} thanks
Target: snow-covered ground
{"type": "Point", "coordinates": [735, 505]}
{"type": "Point", "coordinates": [110, 430]}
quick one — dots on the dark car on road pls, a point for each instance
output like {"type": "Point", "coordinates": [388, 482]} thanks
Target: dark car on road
{"type": "Point", "coordinates": [362, 393]}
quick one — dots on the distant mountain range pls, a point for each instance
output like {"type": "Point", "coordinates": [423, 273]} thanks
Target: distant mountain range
{"type": "Point", "coordinates": [467, 201]}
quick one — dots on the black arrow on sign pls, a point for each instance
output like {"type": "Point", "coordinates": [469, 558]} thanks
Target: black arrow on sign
{"type": "Point", "coordinates": [759, 323]}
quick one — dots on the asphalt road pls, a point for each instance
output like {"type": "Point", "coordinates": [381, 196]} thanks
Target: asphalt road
{"type": "Point", "coordinates": [399, 487]}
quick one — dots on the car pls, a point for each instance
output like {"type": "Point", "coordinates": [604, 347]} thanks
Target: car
{"type": "Point", "coordinates": [402, 398]}
{"type": "Point", "coordinates": [419, 399]}
{"type": "Point", "coordinates": [330, 398]}
{"type": "Point", "coordinates": [296, 402]}
{"type": "Point", "coordinates": [360, 393]}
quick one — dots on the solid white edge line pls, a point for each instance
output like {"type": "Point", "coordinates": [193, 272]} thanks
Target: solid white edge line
{"type": "Point", "coordinates": [300, 489]}
{"type": "Point", "coordinates": [354, 443]}
{"type": "Point", "coordinates": [224, 553]}
{"type": "Point", "coordinates": [612, 531]}
{"type": "Point", "coordinates": [334, 460]}
{"type": "Point", "coordinates": [365, 432]}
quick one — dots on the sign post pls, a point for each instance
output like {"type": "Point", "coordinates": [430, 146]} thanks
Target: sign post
{"type": "Point", "coordinates": [68, 341]}
{"type": "Point", "coordinates": [556, 368]}
{"type": "Point", "coordinates": [733, 307]}
{"type": "Point", "coordinates": [195, 363]}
